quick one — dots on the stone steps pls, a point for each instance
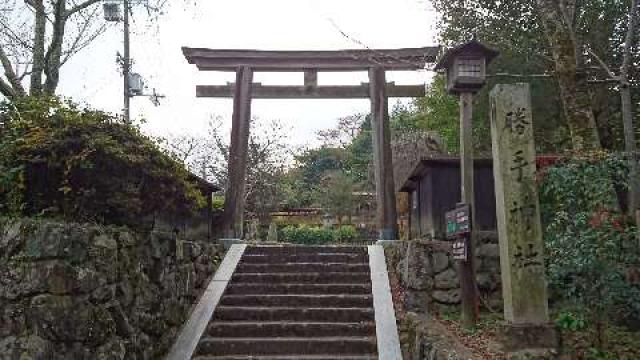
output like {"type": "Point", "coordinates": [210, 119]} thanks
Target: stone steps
{"type": "Point", "coordinates": [295, 302]}
{"type": "Point", "coordinates": [350, 258]}
{"type": "Point", "coordinates": [340, 345]}
{"type": "Point", "coordinates": [303, 267]}
{"type": "Point", "coordinates": [230, 313]}
{"type": "Point", "coordinates": [313, 277]}
{"type": "Point", "coordinates": [223, 329]}
{"type": "Point", "coordinates": [302, 289]}
{"type": "Point", "coordinates": [288, 357]}
{"type": "Point", "coordinates": [295, 250]}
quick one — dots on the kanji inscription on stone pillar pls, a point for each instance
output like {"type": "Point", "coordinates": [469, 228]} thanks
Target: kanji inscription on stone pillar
{"type": "Point", "coordinates": [521, 248]}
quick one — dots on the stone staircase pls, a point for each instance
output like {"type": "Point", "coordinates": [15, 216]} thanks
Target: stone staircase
{"type": "Point", "coordinates": [297, 302]}
{"type": "Point", "coordinates": [294, 302]}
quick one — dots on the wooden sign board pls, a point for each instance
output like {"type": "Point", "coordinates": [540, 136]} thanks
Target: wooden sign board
{"type": "Point", "coordinates": [458, 221]}
{"type": "Point", "coordinates": [459, 249]}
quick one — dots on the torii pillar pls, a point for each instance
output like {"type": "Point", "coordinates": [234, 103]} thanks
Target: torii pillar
{"type": "Point", "coordinates": [386, 214]}
{"type": "Point", "coordinates": [234, 200]}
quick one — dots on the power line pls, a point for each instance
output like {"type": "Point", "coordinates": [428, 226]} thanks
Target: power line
{"type": "Point", "coordinates": [362, 44]}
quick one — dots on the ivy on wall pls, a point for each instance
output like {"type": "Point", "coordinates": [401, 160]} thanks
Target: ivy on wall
{"type": "Point", "coordinates": [57, 159]}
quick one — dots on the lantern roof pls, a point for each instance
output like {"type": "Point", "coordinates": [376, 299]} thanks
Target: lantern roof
{"type": "Point", "coordinates": [470, 48]}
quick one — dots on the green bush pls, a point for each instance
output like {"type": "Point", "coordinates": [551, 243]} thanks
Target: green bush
{"type": "Point", "coordinates": [59, 160]}
{"type": "Point", "coordinates": [591, 245]}
{"type": "Point", "coordinates": [345, 234]}
{"type": "Point", "coordinates": [317, 235]}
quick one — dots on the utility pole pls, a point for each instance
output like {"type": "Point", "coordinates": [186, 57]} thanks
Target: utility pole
{"type": "Point", "coordinates": [133, 84]}
{"type": "Point", "coordinates": [126, 66]}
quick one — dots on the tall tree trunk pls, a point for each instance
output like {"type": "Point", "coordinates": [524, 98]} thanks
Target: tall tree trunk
{"type": "Point", "coordinates": [38, 47]}
{"type": "Point", "coordinates": [54, 53]}
{"type": "Point", "coordinates": [572, 79]}
{"type": "Point", "coordinates": [627, 117]}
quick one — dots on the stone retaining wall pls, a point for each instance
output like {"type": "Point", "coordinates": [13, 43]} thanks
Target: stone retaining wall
{"type": "Point", "coordinates": [70, 291]}
{"type": "Point", "coordinates": [428, 275]}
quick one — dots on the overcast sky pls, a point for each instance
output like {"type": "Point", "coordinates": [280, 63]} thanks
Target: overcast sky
{"type": "Point", "coordinates": [93, 77]}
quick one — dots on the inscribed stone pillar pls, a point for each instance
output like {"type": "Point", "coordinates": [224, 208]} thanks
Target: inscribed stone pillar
{"type": "Point", "coordinates": [382, 160]}
{"type": "Point", "coordinates": [237, 166]}
{"type": "Point", "coordinates": [518, 212]}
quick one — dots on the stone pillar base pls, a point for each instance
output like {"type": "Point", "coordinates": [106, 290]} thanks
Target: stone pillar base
{"type": "Point", "coordinates": [529, 341]}
{"type": "Point", "coordinates": [228, 242]}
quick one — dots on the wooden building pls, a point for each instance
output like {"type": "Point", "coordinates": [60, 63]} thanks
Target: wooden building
{"type": "Point", "coordinates": [434, 188]}
{"type": "Point", "coordinates": [195, 227]}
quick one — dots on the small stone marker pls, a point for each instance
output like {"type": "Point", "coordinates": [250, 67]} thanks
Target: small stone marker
{"type": "Point", "coordinates": [518, 213]}
{"type": "Point", "coordinates": [272, 234]}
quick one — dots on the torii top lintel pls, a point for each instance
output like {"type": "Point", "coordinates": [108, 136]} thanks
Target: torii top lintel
{"type": "Point", "coordinates": [336, 60]}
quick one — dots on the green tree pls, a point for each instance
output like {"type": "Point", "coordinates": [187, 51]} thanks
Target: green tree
{"type": "Point", "coordinates": [359, 160]}
{"type": "Point", "coordinates": [336, 195]}
{"type": "Point", "coordinates": [437, 112]}
{"type": "Point", "coordinates": [522, 31]}
{"type": "Point", "coordinates": [302, 181]}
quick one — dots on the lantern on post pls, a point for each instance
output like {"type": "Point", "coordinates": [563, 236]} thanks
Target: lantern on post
{"type": "Point", "coordinates": [112, 10]}
{"type": "Point", "coordinates": [465, 67]}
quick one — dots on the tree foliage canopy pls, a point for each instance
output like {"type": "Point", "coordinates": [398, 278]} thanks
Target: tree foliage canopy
{"type": "Point", "coordinates": [515, 28]}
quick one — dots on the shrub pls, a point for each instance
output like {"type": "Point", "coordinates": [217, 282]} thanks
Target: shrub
{"type": "Point", "coordinates": [59, 160]}
{"type": "Point", "coordinates": [591, 245]}
{"type": "Point", "coordinates": [317, 235]}
{"type": "Point", "coordinates": [345, 234]}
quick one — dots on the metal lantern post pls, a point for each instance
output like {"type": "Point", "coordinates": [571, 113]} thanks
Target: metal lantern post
{"type": "Point", "coordinates": [126, 65]}
{"type": "Point", "coordinates": [465, 67]}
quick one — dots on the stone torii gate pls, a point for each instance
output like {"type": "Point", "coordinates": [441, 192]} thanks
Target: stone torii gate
{"type": "Point", "coordinates": [245, 62]}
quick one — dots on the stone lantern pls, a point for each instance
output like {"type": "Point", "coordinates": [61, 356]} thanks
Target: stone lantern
{"type": "Point", "coordinates": [465, 67]}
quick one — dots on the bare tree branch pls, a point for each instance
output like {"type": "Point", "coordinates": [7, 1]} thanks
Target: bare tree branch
{"type": "Point", "coordinates": [26, 73]}
{"type": "Point", "coordinates": [15, 37]}
{"type": "Point", "coordinates": [45, 38]}
{"type": "Point", "coordinates": [6, 89]}
{"type": "Point", "coordinates": [603, 65]}
{"type": "Point", "coordinates": [83, 38]}
{"type": "Point", "coordinates": [14, 82]}
{"type": "Point", "coordinates": [79, 7]}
